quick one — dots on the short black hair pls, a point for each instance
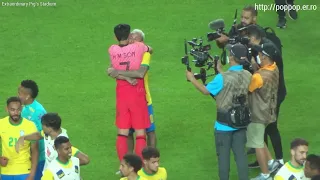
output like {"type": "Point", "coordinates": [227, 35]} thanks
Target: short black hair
{"type": "Point", "coordinates": [13, 99]}
{"type": "Point", "coordinates": [252, 9]}
{"type": "Point", "coordinates": [150, 152]}
{"type": "Point", "coordinates": [52, 120]}
{"type": "Point", "coordinates": [133, 161]}
{"type": "Point", "coordinates": [32, 86]}
{"type": "Point", "coordinates": [298, 142]}
{"type": "Point", "coordinates": [314, 161]}
{"type": "Point", "coordinates": [122, 31]}
{"type": "Point", "coordinates": [60, 140]}
{"type": "Point", "coordinates": [254, 31]}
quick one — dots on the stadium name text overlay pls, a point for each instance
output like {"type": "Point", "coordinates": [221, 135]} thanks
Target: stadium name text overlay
{"type": "Point", "coordinates": [287, 7]}
{"type": "Point", "coordinates": [28, 4]}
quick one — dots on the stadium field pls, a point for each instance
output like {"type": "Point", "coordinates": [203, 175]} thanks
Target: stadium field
{"type": "Point", "coordinates": [64, 49]}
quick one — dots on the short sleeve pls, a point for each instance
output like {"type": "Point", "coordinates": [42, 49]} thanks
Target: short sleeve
{"type": "Point", "coordinates": [47, 175]}
{"type": "Point", "coordinates": [256, 82]}
{"type": "Point", "coordinates": [146, 59]}
{"type": "Point", "coordinates": [277, 177]}
{"type": "Point", "coordinates": [165, 174]}
{"type": "Point", "coordinates": [36, 117]}
{"type": "Point", "coordinates": [216, 85]}
{"type": "Point", "coordinates": [42, 133]}
{"type": "Point", "coordinates": [74, 151]}
{"type": "Point", "coordinates": [142, 47]}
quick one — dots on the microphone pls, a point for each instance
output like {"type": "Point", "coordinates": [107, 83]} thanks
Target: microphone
{"type": "Point", "coordinates": [217, 25]}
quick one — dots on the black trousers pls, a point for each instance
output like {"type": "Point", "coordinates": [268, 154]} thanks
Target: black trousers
{"type": "Point", "coordinates": [273, 132]}
{"type": "Point", "coordinates": [236, 141]}
{"type": "Point", "coordinates": [281, 13]}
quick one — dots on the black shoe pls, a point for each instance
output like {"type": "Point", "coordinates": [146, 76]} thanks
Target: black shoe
{"type": "Point", "coordinates": [282, 22]}
{"type": "Point", "coordinates": [254, 165]}
{"type": "Point", "coordinates": [292, 13]}
{"type": "Point", "coordinates": [251, 151]}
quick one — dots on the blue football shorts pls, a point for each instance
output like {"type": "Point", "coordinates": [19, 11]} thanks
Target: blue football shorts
{"type": "Point", "coordinates": [14, 177]}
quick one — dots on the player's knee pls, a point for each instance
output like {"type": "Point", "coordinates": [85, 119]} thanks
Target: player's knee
{"type": "Point", "coordinates": [124, 132]}
{"type": "Point", "coordinates": [140, 132]}
{"type": "Point", "coordinates": [151, 134]}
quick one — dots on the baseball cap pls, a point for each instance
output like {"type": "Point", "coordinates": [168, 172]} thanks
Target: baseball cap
{"type": "Point", "coordinates": [238, 50]}
{"type": "Point", "coordinates": [268, 49]}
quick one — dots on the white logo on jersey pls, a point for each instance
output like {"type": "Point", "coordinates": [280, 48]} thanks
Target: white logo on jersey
{"type": "Point", "coordinates": [21, 132]}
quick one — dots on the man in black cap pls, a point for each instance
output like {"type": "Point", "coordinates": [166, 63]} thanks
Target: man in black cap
{"type": "Point", "coordinates": [263, 105]}
{"type": "Point", "coordinates": [272, 130]}
{"type": "Point", "coordinates": [227, 87]}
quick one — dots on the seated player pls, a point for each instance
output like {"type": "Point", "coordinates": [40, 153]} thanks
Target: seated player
{"type": "Point", "coordinates": [51, 124]}
{"type": "Point", "coordinates": [294, 168]}
{"type": "Point", "coordinates": [129, 167]}
{"type": "Point", "coordinates": [151, 169]}
{"type": "Point", "coordinates": [312, 167]}
{"type": "Point", "coordinates": [65, 166]}
{"type": "Point", "coordinates": [16, 166]}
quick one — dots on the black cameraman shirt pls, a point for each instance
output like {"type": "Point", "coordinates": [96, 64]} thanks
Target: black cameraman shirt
{"type": "Point", "coordinates": [282, 91]}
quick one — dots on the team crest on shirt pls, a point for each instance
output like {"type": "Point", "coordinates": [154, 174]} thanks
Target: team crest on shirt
{"type": "Point", "coordinates": [60, 174]}
{"type": "Point", "coordinates": [76, 169]}
{"type": "Point", "coordinates": [292, 178]}
{"type": "Point", "coordinates": [21, 132]}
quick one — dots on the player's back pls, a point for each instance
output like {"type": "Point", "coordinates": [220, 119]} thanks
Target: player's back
{"type": "Point", "coordinates": [160, 174]}
{"type": "Point", "coordinates": [288, 171]}
{"type": "Point", "coordinates": [18, 163]}
{"type": "Point", "coordinates": [128, 57]}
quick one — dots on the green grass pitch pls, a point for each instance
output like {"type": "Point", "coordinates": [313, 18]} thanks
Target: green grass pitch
{"type": "Point", "coordinates": [64, 49]}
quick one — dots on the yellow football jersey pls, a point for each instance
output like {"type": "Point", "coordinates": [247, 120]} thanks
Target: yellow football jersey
{"type": "Point", "coordinates": [288, 171]}
{"type": "Point", "coordinates": [146, 62]}
{"type": "Point", "coordinates": [139, 178]}
{"type": "Point", "coordinates": [161, 174]}
{"type": "Point", "coordinates": [18, 163]}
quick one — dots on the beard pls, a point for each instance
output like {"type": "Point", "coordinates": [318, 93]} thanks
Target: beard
{"type": "Point", "coordinates": [15, 118]}
{"type": "Point", "coordinates": [300, 162]}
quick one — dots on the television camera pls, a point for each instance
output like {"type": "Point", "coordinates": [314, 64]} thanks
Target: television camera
{"type": "Point", "coordinates": [201, 57]}
{"type": "Point", "coordinates": [237, 34]}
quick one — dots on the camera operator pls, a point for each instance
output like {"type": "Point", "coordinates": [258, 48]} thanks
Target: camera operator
{"type": "Point", "coordinates": [263, 105]}
{"type": "Point", "coordinates": [272, 130]}
{"type": "Point", "coordinates": [248, 17]}
{"type": "Point", "coordinates": [227, 87]}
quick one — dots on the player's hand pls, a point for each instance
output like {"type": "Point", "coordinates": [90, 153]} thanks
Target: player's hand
{"type": "Point", "coordinates": [132, 81]}
{"type": "Point", "coordinates": [112, 72]}
{"type": "Point", "coordinates": [189, 75]}
{"type": "Point", "coordinates": [3, 161]}
{"type": "Point", "coordinates": [19, 143]}
{"type": "Point", "coordinates": [223, 39]}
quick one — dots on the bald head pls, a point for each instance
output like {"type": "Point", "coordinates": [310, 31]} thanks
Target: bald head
{"type": "Point", "coordinates": [137, 36]}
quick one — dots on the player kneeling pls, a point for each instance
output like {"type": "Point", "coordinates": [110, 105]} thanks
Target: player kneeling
{"type": "Point", "coordinates": [65, 166]}
{"type": "Point", "coordinates": [151, 169]}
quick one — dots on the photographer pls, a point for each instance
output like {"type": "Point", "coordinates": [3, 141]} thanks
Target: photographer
{"type": "Point", "coordinates": [228, 87]}
{"type": "Point", "coordinates": [272, 131]}
{"type": "Point", "coordinates": [263, 104]}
